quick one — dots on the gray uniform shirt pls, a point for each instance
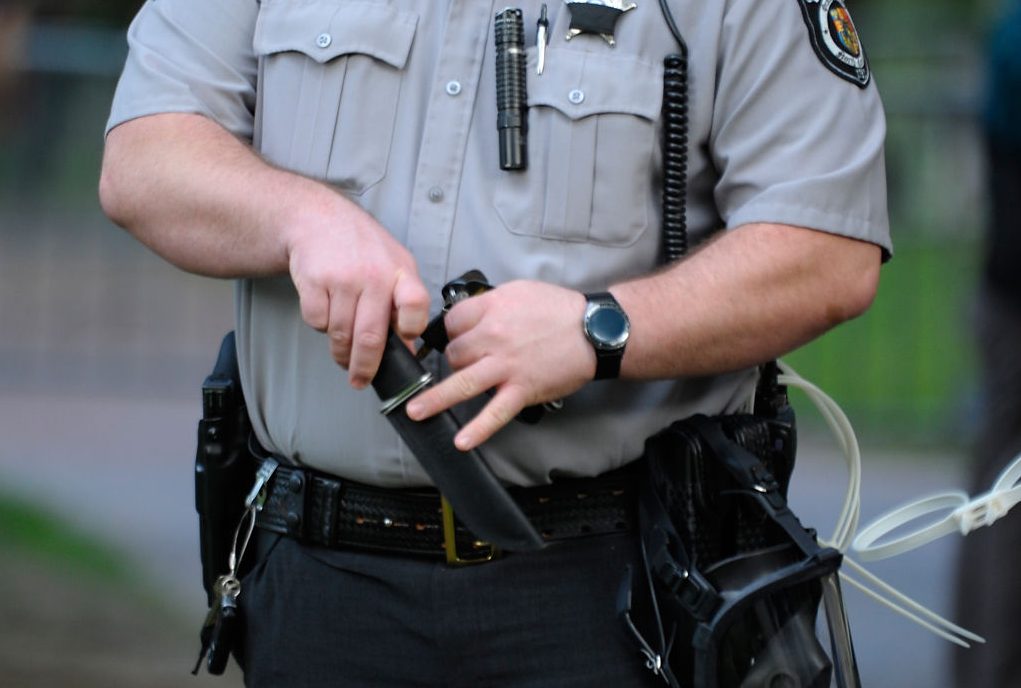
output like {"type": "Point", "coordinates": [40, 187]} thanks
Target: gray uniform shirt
{"type": "Point", "coordinates": [393, 102]}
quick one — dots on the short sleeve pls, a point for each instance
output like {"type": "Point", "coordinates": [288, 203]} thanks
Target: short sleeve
{"type": "Point", "coordinates": [794, 142]}
{"type": "Point", "coordinates": [190, 56]}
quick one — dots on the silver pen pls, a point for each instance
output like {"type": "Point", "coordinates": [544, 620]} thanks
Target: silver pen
{"type": "Point", "coordinates": [541, 38]}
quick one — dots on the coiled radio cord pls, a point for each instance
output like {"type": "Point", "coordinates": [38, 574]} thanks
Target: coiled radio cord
{"type": "Point", "coordinates": [675, 145]}
{"type": "Point", "coordinates": [675, 156]}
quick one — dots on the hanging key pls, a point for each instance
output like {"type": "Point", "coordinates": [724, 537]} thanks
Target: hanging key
{"type": "Point", "coordinates": [225, 629]}
{"type": "Point", "coordinates": [206, 635]}
{"type": "Point", "coordinates": [219, 630]}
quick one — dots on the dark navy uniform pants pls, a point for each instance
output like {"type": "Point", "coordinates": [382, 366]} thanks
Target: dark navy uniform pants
{"type": "Point", "coordinates": [316, 617]}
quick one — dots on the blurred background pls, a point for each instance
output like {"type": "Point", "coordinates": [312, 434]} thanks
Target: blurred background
{"type": "Point", "coordinates": [103, 348]}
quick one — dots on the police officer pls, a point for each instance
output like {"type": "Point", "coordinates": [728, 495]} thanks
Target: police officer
{"type": "Point", "coordinates": [340, 160]}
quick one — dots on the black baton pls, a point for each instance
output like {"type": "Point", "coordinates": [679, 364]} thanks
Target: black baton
{"type": "Point", "coordinates": [464, 478]}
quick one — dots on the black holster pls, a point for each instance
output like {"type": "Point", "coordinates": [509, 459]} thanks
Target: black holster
{"type": "Point", "coordinates": [224, 466]}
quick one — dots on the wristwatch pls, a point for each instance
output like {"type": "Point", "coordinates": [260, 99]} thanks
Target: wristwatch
{"type": "Point", "coordinates": [607, 327]}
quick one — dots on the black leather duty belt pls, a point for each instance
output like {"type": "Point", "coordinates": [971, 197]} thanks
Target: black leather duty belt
{"type": "Point", "coordinates": [320, 509]}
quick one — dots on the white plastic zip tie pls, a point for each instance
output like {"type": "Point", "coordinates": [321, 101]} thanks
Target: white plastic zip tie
{"type": "Point", "coordinates": [838, 423]}
{"type": "Point", "coordinates": [909, 607]}
{"type": "Point", "coordinates": [847, 522]}
{"type": "Point", "coordinates": [965, 516]}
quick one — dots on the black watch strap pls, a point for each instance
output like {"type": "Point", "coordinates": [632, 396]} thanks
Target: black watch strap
{"type": "Point", "coordinates": [608, 364]}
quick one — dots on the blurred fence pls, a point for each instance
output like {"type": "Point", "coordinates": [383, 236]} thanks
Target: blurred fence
{"type": "Point", "coordinates": [84, 309]}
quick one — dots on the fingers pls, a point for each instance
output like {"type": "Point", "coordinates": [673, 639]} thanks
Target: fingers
{"type": "Point", "coordinates": [339, 329]}
{"type": "Point", "coordinates": [353, 279]}
{"type": "Point", "coordinates": [357, 320]}
{"type": "Point", "coordinates": [355, 308]}
{"type": "Point", "coordinates": [521, 340]}
{"type": "Point", "coordinates": [401, 300]}
{"type": "Point", "coordinates": [468, 384]}
{"type": "Point", "coordinates": [464, 316]}
{"type": "Point", "coordinates": [411, 301]}
{"type": "Point", "coordinates": [315, 308]}
{"type": "Point", "coordinates": [371, 321]}
{"type": "Point", "coordinates": [500, 411]}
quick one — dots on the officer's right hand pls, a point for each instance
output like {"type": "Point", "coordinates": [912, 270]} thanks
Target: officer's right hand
{"type": "Point", "coordinates": [354, 280]}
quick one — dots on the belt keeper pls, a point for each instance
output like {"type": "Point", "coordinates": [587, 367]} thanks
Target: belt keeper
{"type": "Point", "coordinates": [294, 502]}
{"type": "Point", "coordinates": [328, 496]}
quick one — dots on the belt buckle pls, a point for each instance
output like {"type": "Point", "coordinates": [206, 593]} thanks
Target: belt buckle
{"type": "Point", "coordinates": [487, 552]}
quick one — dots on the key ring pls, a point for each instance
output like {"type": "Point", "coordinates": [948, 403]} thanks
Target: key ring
{"type": "Point", "coordinates": [253, 505]}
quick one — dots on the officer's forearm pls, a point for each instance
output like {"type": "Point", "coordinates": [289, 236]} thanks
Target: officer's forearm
{"type": "Point", "coordinates": [753, 294]}
{"type": "Point", "coordinates": [201, 199]}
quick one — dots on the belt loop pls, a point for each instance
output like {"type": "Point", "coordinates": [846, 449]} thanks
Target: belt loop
{"type": "Point", "coordinates": [484, 550]}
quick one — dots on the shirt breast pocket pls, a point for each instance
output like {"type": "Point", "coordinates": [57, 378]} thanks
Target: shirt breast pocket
{"type": "Point", "coordinates": [329, 82]}
{"type": "Point", "coordinates": [591, 142]}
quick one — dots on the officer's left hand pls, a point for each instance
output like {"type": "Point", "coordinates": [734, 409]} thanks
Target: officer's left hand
{"type": "Point", "coordinates": [524, 341]}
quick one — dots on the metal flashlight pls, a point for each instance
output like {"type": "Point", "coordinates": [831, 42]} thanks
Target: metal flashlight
{"type": "Point", "coordinates": [511, 97]}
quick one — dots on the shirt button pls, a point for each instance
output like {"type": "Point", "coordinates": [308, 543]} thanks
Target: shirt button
{"type": "Point", "coordinates": [323, 40]}
{"type": "Point", "coordinates": [576, 96]}
{"type": "Point", "coordinates": [436, 194]}
{"type": "Point", "coordinates": [453, 88]}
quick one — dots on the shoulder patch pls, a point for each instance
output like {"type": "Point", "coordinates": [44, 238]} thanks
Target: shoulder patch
{"type": "Point", "coordinates": [835, 40]}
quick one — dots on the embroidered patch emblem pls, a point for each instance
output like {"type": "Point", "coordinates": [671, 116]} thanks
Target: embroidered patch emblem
{"type": "Point", "coordinates": [835, 40]}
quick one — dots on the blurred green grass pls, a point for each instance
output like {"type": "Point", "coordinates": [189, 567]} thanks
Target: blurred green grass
{"type": "Point", "coordinates": [29, 531]}
{"type": "Point", "coordinates": [76, 612]}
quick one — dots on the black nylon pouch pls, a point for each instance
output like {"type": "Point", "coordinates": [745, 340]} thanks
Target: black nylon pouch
{"type": "Point", "coordinates": [697, 491]}
{"type": "Point", "coordinates": [735, 578]}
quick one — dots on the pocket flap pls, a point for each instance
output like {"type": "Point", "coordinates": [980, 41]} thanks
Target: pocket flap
{"type": "Point", "coordinates": [580, 84]}
{"type": "Point", "coordinates": [323, 30]}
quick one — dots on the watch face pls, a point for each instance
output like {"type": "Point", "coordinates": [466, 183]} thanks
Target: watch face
{"type": "Point", "coordinates": [607, 327]}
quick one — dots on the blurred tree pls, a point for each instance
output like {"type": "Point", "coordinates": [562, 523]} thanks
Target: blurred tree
{"type": "Point", "coordinates": [49, 101]}
{"type": "Point", "coordinates": [14, 19]}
